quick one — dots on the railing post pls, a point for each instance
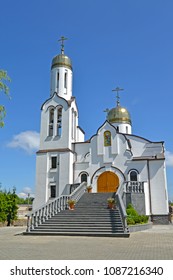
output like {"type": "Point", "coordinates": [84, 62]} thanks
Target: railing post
{"type": "Point", "coordinates": [39, 217]}
{"type": "Point", "coordinates": [28, 224]}
{"type": "Point", "coordinates": [43, 214]}
{"type": "Point", "coordinates": [36, 219]}
{"type": "Point", "coordinates": [32, 221]}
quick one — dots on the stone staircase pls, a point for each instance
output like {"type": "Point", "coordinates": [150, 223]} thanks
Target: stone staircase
{"type": "Point", "coordinates": [91, 217]}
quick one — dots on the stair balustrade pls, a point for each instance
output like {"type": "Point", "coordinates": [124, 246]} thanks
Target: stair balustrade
{"type": "Point", "coordinates": [40, 215]}
{"type": "Point", "coordinates": [135, 187]}
{"type": "Point", "coordinates": [119, 199]}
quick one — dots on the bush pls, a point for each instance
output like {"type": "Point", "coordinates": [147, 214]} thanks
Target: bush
{"type": "Point", "coordinates": [130, 221]}
{"type": "Point", "coordinates": [133, 217]}
{"type": "Point", "coordinates": [132, 212]}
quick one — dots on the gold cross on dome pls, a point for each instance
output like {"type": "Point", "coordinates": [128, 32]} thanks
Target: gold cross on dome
{"type": "Point", "coordinates": [62, 43]}
{"type": "Point", "coordinates": [117, 89]}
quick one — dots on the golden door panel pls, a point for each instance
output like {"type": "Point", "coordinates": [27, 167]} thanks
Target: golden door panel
{"type": "Point", "coordinates": [107, 182]}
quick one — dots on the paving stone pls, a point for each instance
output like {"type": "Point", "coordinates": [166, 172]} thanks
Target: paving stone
{"type": "Point", "coordinates": [152, 244]}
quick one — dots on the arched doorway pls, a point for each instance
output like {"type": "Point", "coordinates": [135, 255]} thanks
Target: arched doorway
{"type": "Point", "coordinates": [107, 182]}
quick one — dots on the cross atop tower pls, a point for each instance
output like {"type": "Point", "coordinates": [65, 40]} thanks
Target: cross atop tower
{"type": "Point", "coordinates": [117, 89]}
{"type": "Point", "coordinates": [62, 43]}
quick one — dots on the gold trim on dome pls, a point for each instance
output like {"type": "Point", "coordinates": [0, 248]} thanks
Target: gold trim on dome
{"type": "Point", "coordinates": [120, 120]}
{"type": "Point", "coordinates": [61, 64]}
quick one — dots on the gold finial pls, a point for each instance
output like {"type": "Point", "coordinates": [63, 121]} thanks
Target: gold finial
{"type": "Point", "coordinates": [62, 43]}
{"type": "Point", "coordinates": [106, 111]}
{"type": "Point", "coordinates": [117, 89]}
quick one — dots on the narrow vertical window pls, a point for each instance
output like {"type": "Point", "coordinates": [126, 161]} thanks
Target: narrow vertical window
{"type": "Point", "coordinates": [53, 162]}
{"type": "Point", "coordinates": [65, 80]}
{"type": "Point", "coordinates": [51, 121]}
{"type": "Point", "coordinates": [52, 191]}
{"type": "Point", "coordinates": [72, 123]}
{"type": "Point", "coordinates": [126, 129]}
{"type": "Point", "coordinates": [107, 138]}
{"type": "Point", "coordinates": [75, 115]}
{"type": "Point", "coordinates": [59, 121]}
{"type": "Point", "coordinates": [58, 80]}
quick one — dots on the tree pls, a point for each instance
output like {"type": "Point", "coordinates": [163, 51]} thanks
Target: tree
{"type": "Point", "coordinates": [8, 206]}
{"type": "Point", "coordinates": [4, 88]}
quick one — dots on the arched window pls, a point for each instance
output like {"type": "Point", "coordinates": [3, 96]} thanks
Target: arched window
{"type": "Point", "coordinates": [133, 176]}
{"type": "Point", "coordinates": [59, 121]}
{"type": "Point", "coordinates": [107, 138]}
{"type": "Point", "coordinates": [51, 121]}
{"type": "Point", "coordinates": [83, 177]}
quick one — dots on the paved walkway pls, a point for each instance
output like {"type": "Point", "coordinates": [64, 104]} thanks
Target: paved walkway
{"type": "Point", "coordinates": [152, 244]}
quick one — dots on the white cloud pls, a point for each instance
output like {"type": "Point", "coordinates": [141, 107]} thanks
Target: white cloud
{"type": "Point", "coordinates": [169, 158]}
{"type": "Point", "coordinates": [25, 192]}
{"type": "Point", "coordinates": [27, 141]}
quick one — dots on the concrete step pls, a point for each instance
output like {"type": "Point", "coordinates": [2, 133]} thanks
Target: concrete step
{"type": "Point", "coordinates": [91, 217]}
{"type": "Point", "coordinates": [92, 234]}
{"type": "Point", "coordinates": [87, 224]}
{"type": "Point", "coordinates": [79, 229]}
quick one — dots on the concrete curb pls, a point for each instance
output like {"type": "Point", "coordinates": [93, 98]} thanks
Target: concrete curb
{"type": "Point", "coordinates": [140, 227]}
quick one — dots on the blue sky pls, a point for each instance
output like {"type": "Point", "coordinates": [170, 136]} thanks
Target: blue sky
{"type": "Point", "coordinates": [126, 43]}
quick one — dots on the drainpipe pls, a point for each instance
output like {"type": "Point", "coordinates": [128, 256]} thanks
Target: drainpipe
{"type": "Point", "coordinates": [74, 161]}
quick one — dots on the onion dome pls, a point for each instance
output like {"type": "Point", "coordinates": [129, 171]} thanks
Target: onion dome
{"type": "Point", "coordinates": [61, 60]}
{"type": "Point", "coordinates": [119, 115]}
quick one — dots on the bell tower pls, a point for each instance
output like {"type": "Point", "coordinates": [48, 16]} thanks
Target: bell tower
{"type": "Point", "coordinates": [58, 132]}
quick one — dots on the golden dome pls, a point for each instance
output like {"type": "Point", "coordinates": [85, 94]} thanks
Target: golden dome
{"type": "Point", "coordinates": [61, 60]}
{"type": "Point", "coordinates": [119, 115]}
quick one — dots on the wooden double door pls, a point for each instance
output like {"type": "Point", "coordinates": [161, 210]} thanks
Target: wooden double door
{"type": "Point", "coordinates": [107, 182]}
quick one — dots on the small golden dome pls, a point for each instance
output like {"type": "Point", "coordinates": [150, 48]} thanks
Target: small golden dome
{"type": "Point", "coordinates": [119, 115]}
{"type": "Point", "coordinates": [61, 60]}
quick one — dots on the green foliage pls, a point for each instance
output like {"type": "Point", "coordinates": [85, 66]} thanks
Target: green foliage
{"type": "Point", "coordinates": [4, 88]}
{"type": "Point", "coordinates": [8, 206]}
{"type": "Point", "coordinates": [131, 211]}
{"type": "Point", "coordinates": [130, 221]}
{"type": "Point", "coordinates": [20, 200]}
{"type": "Point", "coordinates": [133, 217]}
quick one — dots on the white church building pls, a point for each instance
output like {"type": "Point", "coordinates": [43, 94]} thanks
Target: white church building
{"type": "Point", "coordinates": [112, 158]}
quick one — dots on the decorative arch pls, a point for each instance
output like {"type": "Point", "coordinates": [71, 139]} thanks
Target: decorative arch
{"type": "Point", "coordinates": [112, 168]}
